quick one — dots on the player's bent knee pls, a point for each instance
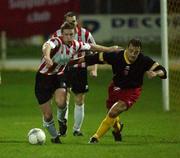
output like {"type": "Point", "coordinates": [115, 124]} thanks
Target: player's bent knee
{"type": "Point", "coordinates": [113, 114]}
{"type": "Point", "coordinates": [79, 99]}
{"type": "Point", "coordinates": [47, 117]}
{"type": "Point", "coordinates": [61, 103]}
{"type": "Point", "coordinates": [117, 108]}
{"type": "Point", "coordinates": [80, 103]}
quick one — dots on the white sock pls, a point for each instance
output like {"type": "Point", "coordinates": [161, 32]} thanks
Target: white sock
{"type": "Point", "coordinates": [50, 126]}
{"type": "Point", "coordinates": [67, 112]}
{"type": "Point", "coordinates": [67, 105]}
{"type": "Point", "coordinates": [61, 113]}
{"type": "Point", "coordinates": [78, 117]}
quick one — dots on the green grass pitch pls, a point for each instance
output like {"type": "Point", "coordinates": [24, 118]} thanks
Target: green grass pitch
{"type": "Point", "coordinates": [148, 130]}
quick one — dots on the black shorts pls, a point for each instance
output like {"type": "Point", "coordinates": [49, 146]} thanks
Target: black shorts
{"type": "Point", "coordinates": [76, 79]}
{"type": "Point", "coordinates": [45, 86]}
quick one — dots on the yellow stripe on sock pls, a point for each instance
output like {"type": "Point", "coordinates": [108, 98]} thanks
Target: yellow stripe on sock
{"type": "Point", "coordinates": [117, 125]}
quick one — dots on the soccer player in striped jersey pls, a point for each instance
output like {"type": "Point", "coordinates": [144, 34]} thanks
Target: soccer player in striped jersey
{"type": "Point", "coordinates": [129, 67]}
{"type": "Point", "coordinates": [76, 76]}
{"type": "Point", "coordinates": [57, 52]}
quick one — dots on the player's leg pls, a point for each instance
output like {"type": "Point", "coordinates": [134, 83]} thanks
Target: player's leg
{"type": "Point", "coordinates": [48, 121]}
{"type": "Point", "coordinates": [67, 79]}
{"type": "Point", "coordinates": [60, 99]}
{"type": "Point", "coordinates": [60, 95]}
{"type": "Point", "coordinates": [44, 90]}
{"type": "Point", "coordinates": [117, 125]}
{"type": "Point", "coordinates": [68, 96]}
{"type": "Point", "coordinates": [79, 88]}
{"type": "Point", "coordinates": [109, 120]}
{"type": "Point", "coordinates": [78, 114]}
{"type": "Point", "coordinates": [120, 100]}
{"type": "Point", "coordinates": [117, 128]}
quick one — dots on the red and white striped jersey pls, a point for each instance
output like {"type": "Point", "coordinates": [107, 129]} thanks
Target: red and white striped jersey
{"type": "Point", "coordinates": [81, 35]}
{"type": "Point", "coordinates": [61, 55]}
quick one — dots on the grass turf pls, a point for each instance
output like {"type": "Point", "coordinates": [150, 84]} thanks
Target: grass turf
{"type": "Point", "coordinates": [148, 130]}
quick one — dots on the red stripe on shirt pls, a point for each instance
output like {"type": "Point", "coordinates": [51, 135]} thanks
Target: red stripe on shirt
{"type": "Point", "coordinates": [79, 34]}
{"type": "Point", "coordinates": [74, 45]}
{"type": "Point", "coordinates": [42, 66]}
{"type": "Point", "coordinates": [67, 51]}
{"type": "Point", "coordinates": [79, 55]}
{"type": "Point", "coordinates": [80, 45]}
{"type": "Point", "coordinates": [51, 69]}
{"type": "Point", "coordinates": [55, 34]}
{"type": "Point", "coordinates": [61, 70]}
{"type": "Point", "coordinates": [86, 35]}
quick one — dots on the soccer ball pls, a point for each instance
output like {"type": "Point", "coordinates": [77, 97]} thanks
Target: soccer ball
{"type": "Point", "coordinates": [36, 136]}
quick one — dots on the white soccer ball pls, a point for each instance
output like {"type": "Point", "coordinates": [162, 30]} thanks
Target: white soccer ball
{"type": "Point", "coordinates": [36, 136]}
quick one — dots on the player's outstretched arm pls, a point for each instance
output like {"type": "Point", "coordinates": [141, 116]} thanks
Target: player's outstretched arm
{"type": "Point", "coordinates": [100, 48]}
{"type": "Point", "coordinates": [89, 59]}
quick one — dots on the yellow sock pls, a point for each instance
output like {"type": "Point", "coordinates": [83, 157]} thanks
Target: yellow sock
{"type": "Point", "coordinates": [104, 127]}
{"type": "Point", "coordinates": [117, 125]}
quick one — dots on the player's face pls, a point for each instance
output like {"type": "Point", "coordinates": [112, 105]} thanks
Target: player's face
{"type": "Point", "coordinates": [72, 20]}
{"type": "Point", "coordinates": [132, 53]}
{"type": "Point", "coordinates": [68, 35]}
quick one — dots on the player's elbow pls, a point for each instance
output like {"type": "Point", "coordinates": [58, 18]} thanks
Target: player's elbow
{"type": "Point", "coordinates": [164, 74]}
{"type": "Point", "coordinates": [93, 47]}
{"type": "Point", "coordinates": [44, 47]}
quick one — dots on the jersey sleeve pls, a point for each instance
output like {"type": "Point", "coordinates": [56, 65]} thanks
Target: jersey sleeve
{"type": "Point", "coordinates": [56, 34]}
{"type": "Point", "coordinates": [100, 58]}
{"type": "Point", "coordinates": [91, 39]}
{"type": "Point", "coordinates": [108, 58]}
{"type": "Point", "coordinates": [54, 42]}
{"type": "Point", "coordinates": [148, 62]}
{"type": "Point", "coordinates": [81, 46]}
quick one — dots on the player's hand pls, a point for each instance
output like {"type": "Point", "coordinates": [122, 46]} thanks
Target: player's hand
{"type": "Point", "coordinates": [48, 61]}
{"type": "Point", "coordinates": [93, 73]}
{"type": "Point", "coordinates": [151, 74]}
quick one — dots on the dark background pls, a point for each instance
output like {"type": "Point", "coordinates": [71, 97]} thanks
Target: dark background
{"type": "Point", "coordinates": [119, 6]}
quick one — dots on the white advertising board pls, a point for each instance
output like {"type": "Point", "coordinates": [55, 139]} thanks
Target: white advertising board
{"type": "Point", "coordinates": [123, 27]}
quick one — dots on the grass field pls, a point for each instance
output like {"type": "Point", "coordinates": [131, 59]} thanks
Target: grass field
{"type": "Point", "coordinates": [148, 130]}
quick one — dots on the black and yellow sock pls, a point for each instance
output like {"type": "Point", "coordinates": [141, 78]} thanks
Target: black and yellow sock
{"type": "Point", "coordinates": [117, 125]}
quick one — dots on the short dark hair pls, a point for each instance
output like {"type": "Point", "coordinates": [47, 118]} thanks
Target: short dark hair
{"type": "Point", "coordinates": [70, 14]}
{"type": "Point", "coordinates": [67, 25]}
{"type": "Point", "coordinates": [135, 43]}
